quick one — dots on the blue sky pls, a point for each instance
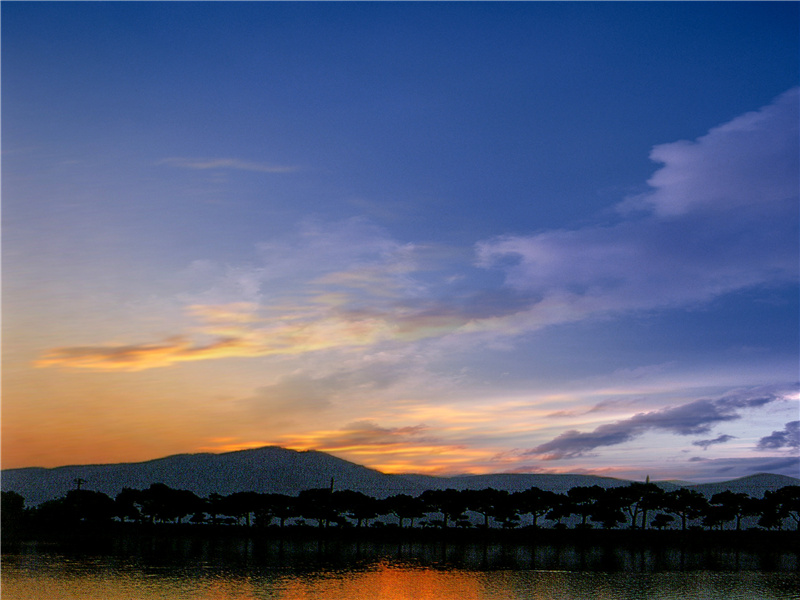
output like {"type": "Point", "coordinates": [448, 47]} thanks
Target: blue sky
{"type": "Point", "coordinates": [439, 237]}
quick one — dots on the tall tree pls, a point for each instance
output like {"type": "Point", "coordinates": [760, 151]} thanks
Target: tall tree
{"type": "Point", "coordinates": [451, 503]}
{"type": "Point", "coordinates": [535, 502]}
{"type": "Point", "coordinates": [730, 505]}
{"type": "Point", "coordinates": [582, 501]}
{"type": "Point", "coordinates": [487, 503]}
{"type": "Point", "coordinates": [685, 504]}
{"type": "Point", "coordinates": [405, 507]}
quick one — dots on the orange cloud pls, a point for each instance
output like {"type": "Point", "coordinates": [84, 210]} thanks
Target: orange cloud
{"type": "Point", "coordinates": [136, 357]}
{"type": "Point", "coordinates": [245, 329]}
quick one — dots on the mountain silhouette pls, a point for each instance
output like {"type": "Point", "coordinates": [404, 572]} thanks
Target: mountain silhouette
{"type": "Point", "coordinates": [272, 469]}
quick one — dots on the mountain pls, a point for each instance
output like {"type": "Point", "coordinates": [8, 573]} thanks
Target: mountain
{"type": "Point", "coordinates": [278, 470]}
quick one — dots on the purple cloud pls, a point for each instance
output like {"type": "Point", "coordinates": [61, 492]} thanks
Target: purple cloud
{"type": "Point", "coordinates": [687, 419]}
{"type": "Point", "coordinates": [704, 444]}
{"type": "Point", "coordinates": [789, 437]}
{"type": "Point", "coordinates": [721, 215]}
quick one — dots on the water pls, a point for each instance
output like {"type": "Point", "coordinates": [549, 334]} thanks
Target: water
{"type": "Point", "coordinates": [247, 570]}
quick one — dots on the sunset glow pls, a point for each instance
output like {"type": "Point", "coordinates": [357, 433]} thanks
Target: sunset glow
{"type": "Point", "coordinates": [439, 238]}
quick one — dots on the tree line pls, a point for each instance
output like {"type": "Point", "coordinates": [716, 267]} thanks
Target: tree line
{"type": "Point", "coordinates": [634, 506]}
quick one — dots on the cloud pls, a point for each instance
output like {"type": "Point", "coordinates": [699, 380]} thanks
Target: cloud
{"type": "Point", "coordinates": [721, 439]}
{"type": "Point", "coordinates": [347, 285]}
{"type": "Point", "coordinates": [749, 160]}
{"type": "Point", "coordinates": [279, 330]}
{"type": "Point", "coordinates": [789, 437]}
{"type": "Point", "coordinates": [337, 286]}
{"type": "Point", "coordinates": [365, 433]}
{"type": "Point", "coordinates": [721, 216]}
{"type": "Point", "coordinates": [203, 164]}
{"type": "Point", "coordinates": [687, 419]}
{"type": "Point", "coordinates": [136, 357]}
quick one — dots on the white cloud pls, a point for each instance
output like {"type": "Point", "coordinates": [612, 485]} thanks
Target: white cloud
{"type": "Point", "coordinates": [722, 216]}
{"type": "Point", "coordinates": [751, 160]}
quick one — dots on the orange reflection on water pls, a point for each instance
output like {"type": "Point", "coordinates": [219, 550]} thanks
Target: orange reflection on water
{"type": "Point", "coordinates": [385, 582]}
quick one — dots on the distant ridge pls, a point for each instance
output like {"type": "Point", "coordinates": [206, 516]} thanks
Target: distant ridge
{"type": "Point", "coordinates": [272, 469]}
{"type": "Point", "coordinates": [753, 485]}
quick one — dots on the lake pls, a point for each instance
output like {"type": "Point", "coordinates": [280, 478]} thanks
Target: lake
{"type": "Point", "coordinates": [229, 569]}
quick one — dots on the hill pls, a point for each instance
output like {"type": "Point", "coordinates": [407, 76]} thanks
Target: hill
{"type": "Point", "coordinates": [277, 470]}
{"type": "Point", "coordinates": [753, 485]}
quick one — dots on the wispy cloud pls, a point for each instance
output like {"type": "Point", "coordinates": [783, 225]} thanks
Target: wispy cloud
{"type": "Point", "coordinates": [278, 331]}
{"type": "Point", "coordinates": [721, 439]}
{"type": "Point", "coordinates": [337, 286]}
{"type": "Point", "coordinates": [136, 357]}
{"type": "Point", "coordinates": [203, 164]}
{"type": "Point", "coordinates": [692, 418]}
{"type": "Point", "coordinates": [693, 237]}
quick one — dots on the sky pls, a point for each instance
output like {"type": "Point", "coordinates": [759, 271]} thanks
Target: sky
{"type": "Point", "coordinates": [439, 238]}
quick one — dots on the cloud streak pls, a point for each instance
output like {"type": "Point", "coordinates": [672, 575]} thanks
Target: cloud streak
{"type": "Point", "coordinates": [692, 418]}
{"type": "Point", "coordinates": [721, 439]}
{"type": "Point", "coordinates": [299, 330]}
{"type": "Point", "coordinates": [137, 357]}
{"type": "Point", "coordinates": [205, 164]}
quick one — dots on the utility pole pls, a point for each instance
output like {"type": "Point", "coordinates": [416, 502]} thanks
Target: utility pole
{"type": "Point", "coordinates": [78, 482]}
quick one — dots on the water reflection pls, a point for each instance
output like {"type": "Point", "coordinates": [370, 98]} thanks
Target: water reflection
{"type": "Point", "coordinates": [152, 569]}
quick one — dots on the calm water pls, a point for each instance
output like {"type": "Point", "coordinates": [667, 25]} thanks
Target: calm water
{"type": "Point", "coordinates": [228, 570]}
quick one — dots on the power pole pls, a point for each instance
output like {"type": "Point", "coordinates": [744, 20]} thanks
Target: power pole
{"type": "Point", "coordinates": [78, 482]}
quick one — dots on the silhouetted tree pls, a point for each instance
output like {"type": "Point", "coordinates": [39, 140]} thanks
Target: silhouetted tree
{"type": "Point", "coordinates": [213, 505]}
{"type": "Point", "coordinates": [782, 504]}
{"type": "Point", "coordinates": [127, 505]}
{"type": "Point", "coordinates": [449, 502]}
{"type": "Point", "coordinates": [685, 504]}
{"type": "Point", "coordinates": [241, 505]}
{"type": "Point", "coordinates": [661, 520]}
{"type": "Point", "coordinates": [726, 506]}
{"type": "Point", "coordinates": [404, 507]}
{"type": "Point", "coordinates": [280, 506]}
{"type": "Point", "coordinates": [488, 503]}
{"type": "Point", "coordinates": [582, 501]}
{"type": "Point", "coordinates": [317, 504]}
{"type": "Point", "coordinates": [559, 510]}
{"type": "Point", "coordinates": [12, 513]}
{"type": "Point", "coordinates": [160, 502]}
{"type": "Point", "coordinates": [607, 511]}
{"type": "Point", "coordinates": [90, 506]}
{"type": "Point", "coordinates": [637, 499]}
{"type": "Point", "coordinates": [355, 505]}
{"type": "Point", "coordinates": [535, 502]}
